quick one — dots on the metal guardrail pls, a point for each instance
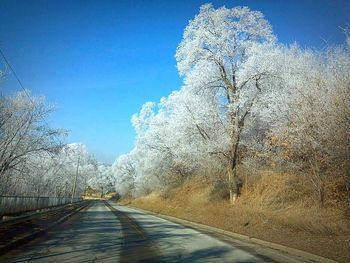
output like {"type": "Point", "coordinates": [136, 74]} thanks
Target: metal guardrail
{"type": "Point", "coordinates": [11, 205]}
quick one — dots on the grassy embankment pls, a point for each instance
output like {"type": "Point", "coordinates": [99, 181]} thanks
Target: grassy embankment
{"type": "Point", "coordinates": [275, 207]}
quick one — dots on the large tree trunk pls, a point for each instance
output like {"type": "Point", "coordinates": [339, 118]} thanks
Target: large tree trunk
{"type": "Point", "coordinates": [233, 178]}
{"type": "Point", "coordinates": [234, 192]}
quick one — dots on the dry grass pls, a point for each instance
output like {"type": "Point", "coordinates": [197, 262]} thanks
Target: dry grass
{"type": "Point", "coordinates": [273, 207]}
{"type": "Point", "coordinates": [289, 200]}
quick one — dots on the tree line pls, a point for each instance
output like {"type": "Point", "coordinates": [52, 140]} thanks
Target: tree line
{"type": "Point", "coordinates": [246, 101]}
{"type": "Point", "coordinates": [34, 158]}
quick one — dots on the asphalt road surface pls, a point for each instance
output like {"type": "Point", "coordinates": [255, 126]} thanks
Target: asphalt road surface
{"type": "Point", "coordinates": [106, 232]}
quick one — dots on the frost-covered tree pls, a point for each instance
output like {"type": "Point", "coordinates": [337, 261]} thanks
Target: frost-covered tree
{"type": "Point", "coordinates": [124, 170]}
{"type": "Point", "coordinates": [311, 126]}
{"type": "Point", "coordinates": [78, 166]}
{"type": "Point", "coordinates": [103, 179]}
{"type": "Point", "coordinates": [180, 136]}
{"type": "Point", "coordinates": [33, 159]}
{"type": "Point", "coordinates": [244, 96]}
{"type": "Point", "coordinates": [23, 131]}
{"type": "Point", "coordinates": [24, 134]}
{"type": "Point", "coordinates": [211, 56]}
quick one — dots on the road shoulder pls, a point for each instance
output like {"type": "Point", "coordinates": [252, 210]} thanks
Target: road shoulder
{"type": "Point", "coordinates": [281, 250]}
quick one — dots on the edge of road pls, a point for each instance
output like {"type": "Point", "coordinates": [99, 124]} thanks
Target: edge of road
{"type": "Point", "coordinates": [31, 236]}
{"type": "Point", "coordinates": [292, 251]}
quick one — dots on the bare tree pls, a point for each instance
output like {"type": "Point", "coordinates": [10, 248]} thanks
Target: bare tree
{"type": "Point", "coordinates": [24, 132]}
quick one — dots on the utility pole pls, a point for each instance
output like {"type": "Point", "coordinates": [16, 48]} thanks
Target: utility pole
{"type": "Point", "coordinates": [75, 181]}
{"type": "Point", "coordinates": [85, 186]}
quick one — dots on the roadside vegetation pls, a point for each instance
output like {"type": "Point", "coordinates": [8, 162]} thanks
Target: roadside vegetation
{"type": "Point", "coordinates": [35, 161]}
{"type": "Point", "coordinates": [255, 141]}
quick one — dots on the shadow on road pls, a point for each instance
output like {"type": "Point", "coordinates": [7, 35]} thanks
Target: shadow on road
{"type": "Point", "coordinates": [97, 235]}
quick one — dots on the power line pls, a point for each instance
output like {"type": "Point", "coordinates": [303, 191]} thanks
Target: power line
{"type": "Point", "coordinates": [16, 76]}
{"type": "Point", "coordinates": [19, 81]}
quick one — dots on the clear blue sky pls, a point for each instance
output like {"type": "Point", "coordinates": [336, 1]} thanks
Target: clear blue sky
{"type": "Point", "coordinates": [99, 61]}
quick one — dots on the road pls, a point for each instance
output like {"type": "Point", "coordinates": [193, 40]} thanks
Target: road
{"type": "Point", "coordinates": [113, 233]}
